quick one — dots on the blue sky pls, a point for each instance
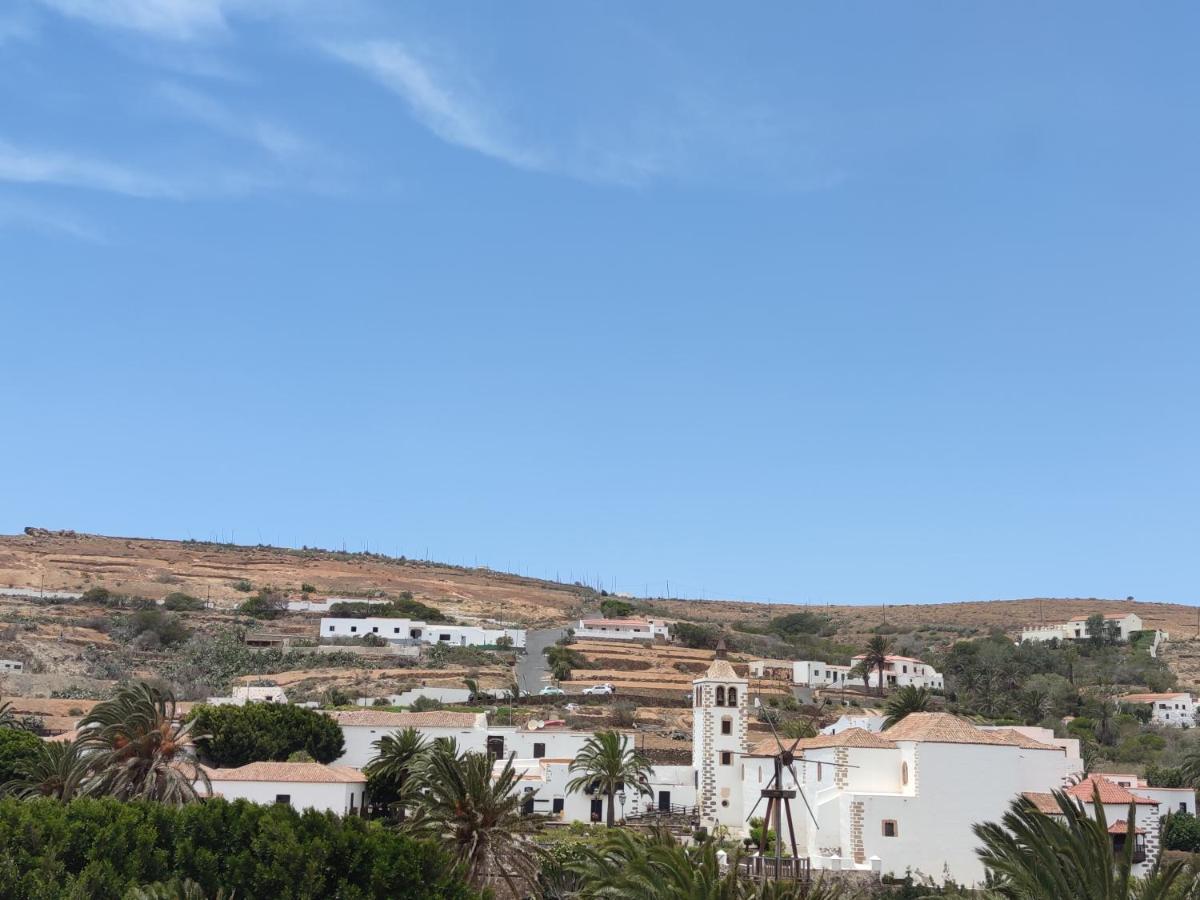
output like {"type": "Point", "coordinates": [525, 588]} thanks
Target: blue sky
{"type": "Point", "coordinates": [802, 302]}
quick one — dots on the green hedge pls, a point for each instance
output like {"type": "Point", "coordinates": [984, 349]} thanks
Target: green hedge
{"type": "Point", "coordinates": [264, 732]}
{"type": "Point", "coordinates": [100, 848]}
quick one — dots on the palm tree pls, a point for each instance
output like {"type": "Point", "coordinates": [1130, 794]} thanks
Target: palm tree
{"type": "Point", "coordinates": [175, 889]}
{"type": "Point", "coordinates": [59, 770]}
{"type": "Point", "coordinates": [8, 718]}
{"type": "Point", "coordinates": [875, 657]}
{"type": "Point", "coordinates": [908, 699]}
{"type": "Point", "coordinates": [1069, 856]}
{"type": "Point", "coordinates": [608, 764]}
{"type": "Point", "coordinates": [390, 772]}
{"type": "Point", "coordinates": [479, 817]}
{"type": "Point", "coordinates": [139, 750]}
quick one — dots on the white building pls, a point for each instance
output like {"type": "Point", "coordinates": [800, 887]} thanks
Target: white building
{"type": "Point", "coordinates": [337, 789]}
{"type": "Point", "coordinates": [362, 727]}
{"type": "Point", "coordinates": [11, 665]}
{"type": "Point", "coordinates": [909, 795]}
{"type": "Point", "coordinates": [243, 694]}
{"type": "Point", "coordinates": [623, 629]}
{"type": "Point", "coordinates": [900, 671]}
{"type": "Point", "coordinates": [545, 782]}
{"type": "Point", "coordinates": [1076, 629]}
{"type": "Point", "coordinates": [410, 630]}
{"type": "Point", "coordinates": [866, 721]}
{"type": "Point", "coordinates": [1174, 708]}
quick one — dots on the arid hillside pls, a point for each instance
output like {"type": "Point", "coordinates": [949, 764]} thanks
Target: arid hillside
{"type": "Point", "coordinates": [66, 561]}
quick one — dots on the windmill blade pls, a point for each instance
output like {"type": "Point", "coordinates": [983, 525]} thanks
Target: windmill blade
{"type": "Point", "coordinates": [800, 791]}
{"type": "Point", "coordinates": [760, 799]}
{"type": "Point", "coordinates": [778, 741]}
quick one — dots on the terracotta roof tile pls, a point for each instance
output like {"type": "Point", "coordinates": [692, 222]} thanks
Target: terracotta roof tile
{"type": "Point", "coordinates": [308, 773]}
{"type": "Point", "coordinates": [943, 728]}
{"type": "Point", "coordinates": [1044, 803]}
{"type": "Point", "coordinates": [383, 719]}
{"type": "Point", "coordinates": [857, 738]}
{"type": "Point", "coordinates": [722, 670]}
{"type": "Point", "coordinates": [1122, 827]}
{"type": "Point", "coordinates": [1110, 792]}
{"type": "Point", "coordinates": [1150, 698]}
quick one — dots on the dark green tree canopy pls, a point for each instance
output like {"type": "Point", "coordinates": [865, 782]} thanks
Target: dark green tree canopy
{"type": "Point", "coordinates": [17, 749]}
{"type": "Point", "coordinates": [264, 732]}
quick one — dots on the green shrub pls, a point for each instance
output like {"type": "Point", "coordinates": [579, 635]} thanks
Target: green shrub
{"type": "Point", "coordinates": [178, 601]}
{"type": "Point", "coordinates": [1181, 831]}
{"type": "Point", "coordinates": [151, 628]}
{"type": "Point", "coordinates": [103, 848]}
{"type": "Point", "coordinates": [243, 586]}
{"type": "Point", "coordinates": [698, 637]}
{"type": "Point", "coordinates": [403, 608]}
{"type": "Point", "coordinates": [615, 609]}
{"type": "Point", "coordinates": [264, 732]}
{"type": "Point", "coordinates": [17, 746]}
{"type": "Point", "coordinates": [99, 595]}
{"type": "Point", "coordinates": [307, 588]}
{"type": "Point", "coordinates": [266, 604]}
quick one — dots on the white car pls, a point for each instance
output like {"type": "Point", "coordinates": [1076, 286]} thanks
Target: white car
{"type": "Point", "coordinates": [599, 690]}
{"type": "Point", "coordinates": [551, 691]}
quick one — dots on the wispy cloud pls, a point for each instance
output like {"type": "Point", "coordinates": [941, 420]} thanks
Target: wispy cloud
{"type": "Point", "coordinates": [16, 25]}
{"type": "Point", "coordinates": [175, 19]}
{"type": "Point", "coordinates": [46, 220]}
{"type": "Point", "coordinates": [25, 166]}
{"type": "Point", "coordinates": [277, 140]}
{"type": "Point", "coordinates": [441, 98]}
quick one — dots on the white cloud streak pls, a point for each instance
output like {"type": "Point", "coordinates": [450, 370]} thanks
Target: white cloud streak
{"type": "Point", "coordinates": [275, 139]}
{"type": "Point", "coordinates": [45, 220]}
{"type": "Point", "coordinates": [174, 19]}
{"type": "Point", "coordinates": [439, 99]}
{"type": "Point", "coordinates": [23, 166]}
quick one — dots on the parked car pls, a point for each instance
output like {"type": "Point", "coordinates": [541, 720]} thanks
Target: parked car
{"type": "Point", "coordinates": [599, 689]}
{"type": "Point", "coordinates": [552, 691]}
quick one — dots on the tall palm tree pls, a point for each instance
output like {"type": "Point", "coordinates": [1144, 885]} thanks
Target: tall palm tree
{"type": "Point", "coordinates": [875, 657]}
{"type": "Point", "coordinates": [59, 770]}
{"type": "Point", "coordinates": [607, 764]}
{"type": "Point", "coordinates": [390, 772]}
{"type": "Point", "coordinates": [459, 803]}
{"type": "Point", "coordinates": [1034, 856]}
{"type": "Point", "coordinates": [908, 699]}
{"type": "Point", "coordinates": [140, 750]}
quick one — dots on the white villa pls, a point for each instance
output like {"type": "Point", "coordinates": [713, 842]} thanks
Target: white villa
{"type": "Point", "coordinates": [337, 789]}
{"type": "Point", "coordinates": [899, 672]}
{"type": "Point", "coordinates": [1076, 629]}
{"type": "Point", "coordinates": [410, 630]}
{"type": "Point", "coordinates": [623, 629]}
{"type": "Point", "coordinates": [1174, 708]}
{"type": "Point", "coordinates": [243, 694]}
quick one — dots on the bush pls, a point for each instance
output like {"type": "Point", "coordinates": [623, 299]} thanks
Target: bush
{"type": "Point", "coordinates": [615, 609]}
{"type": "Point", "coordinates": [103, 847]}
{"type": "Point", "coordinates": [16, 747]}
{"type": "Point", "coordinates": [264, 732]}
{"type": "Point", "coordinates": [98, 595]}
{"type": "Point", "coordinates": [403, 608]}
{"type": "Point", "coordinates": [266, 604]}
{"type": "Point", "coordinates": [178, 601]}
{"type": "Point", "coordinates": [698, 637]}
{"type": "Point", "coordinates": [504, 642]}
{"type": "Point", "coordinates": [1166, 776]}
{"type": "Point", "coordinates": [426, 704]}
{"type": "Point", "coordinates": [243, 586]}
{"type": "Point", "coordinates": [1181, 831]}
{"type": "Point", "coordinates": [797, 623]}
{"type": "Point", "coordinates": [150, 629]}
{"type": "Point", "coordinates": [307, 588]}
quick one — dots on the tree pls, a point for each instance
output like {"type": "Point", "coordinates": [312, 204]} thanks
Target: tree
{"type": "Point", "coordinates": [1033, 856]}
{"type": "Point", "coordinates": [797, 623]}
{"type": "Point", "coordinates": [607, 764]}
{"type": "Point", "coordinates": [908, 699]}
{"type": "Point", "coordinates": [59, 769]}
{"type": "Point", "coordinates": [17, 747]}
{"type": "Point", "coordinates": [177, 601]}
{"type": "Point", "coordinates": [264, 732]}
{"type": "Point", "coordinates": [1094, 628]}
{"type": "Point", "coordinates": [1181, 831]}
{"type": "Point", "coordinates": [390, 772]}
{"type": "Point", "coordinates": [504, 642]}
{"type": "Point", "coordinates": [140, 751]}
{"type": "Point", "coordinates": [266, 604]}
{"type": "Point", "coordinates": [477, 816]}
{"type": "Point", "coordinates": [875, 658]}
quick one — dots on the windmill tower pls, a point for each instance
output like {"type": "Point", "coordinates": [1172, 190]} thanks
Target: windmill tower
{"type": "Point", "coordinates": [719, 711]}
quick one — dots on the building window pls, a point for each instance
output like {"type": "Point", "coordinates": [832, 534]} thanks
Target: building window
{"type": "Point", "coordinates": [557, 806]}
{"type": "Point", "coordinates": [726, 725]}
{"type": "Point", "coordinates": [697, 696]}
{"type": "Point", "coordinates": [332, 627]}
{"type": "Point", "coordinates": [1183, 807]}
{"type": "Point", "coordinates": [732, 696]}
{"type": "Point", "coordinates": [375, 629]}
{"type": "Point", "coordinates": [395, 631]}
{"type": "Point", "coordinates": [283, 798]}
{"type": "Point", "coordinates": [443, 637]}
{"type": "Point", "coordinates": [904, 773]}
{"type": "Point", "coordinates": [354, 628]}
{"type": "Point", "coordinates": [889, 827]}
{"type": "Point", "coordinates": [726, 758]}
{"type": "Point", "coordinates": [539, 750]}
{"type": "Point", "coordinates": [720, 696]}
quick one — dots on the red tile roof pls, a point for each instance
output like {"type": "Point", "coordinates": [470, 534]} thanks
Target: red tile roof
{"type": "Point", "coordinates": [1110, 792]}
{"type": "Point", "coordinates": [944, 728]}
{"type": "Point", "coordinates": [623, 622]}
{"type": "Point", "coordinates": [308, 773]}
{"type": "Point", "coordinates": [384, 719]}
{"type": "Point", "coordinates": [1122, 827]}
{"type": "Point", "coordinates": [856, 738]}
{"type": "Point", "coordinates": [1043, 803]}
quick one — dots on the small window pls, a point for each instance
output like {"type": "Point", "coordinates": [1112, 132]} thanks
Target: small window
{"type": "Point", "coordinates": [539, 751]}
{"type": "Point", "coordinates": [557, 806]}
{"type": "Point", "coordinates": [889, 827]}
{"type": "Point", "coordinates": [354, 628]}
{"type": "Point", "coordinates": [726, 758]}
{"type": "Point", "coordinates": [697, 696]}
{"type": "Point", "coordinates": [732, 696]}
{"type": "Point", "coordinates": [720, 696]}
{"type": "Point", "coordinates": [375, 629]}
{"type": "Point", "coordinates": [285, 799]}
{"type": "Point", "coordinates": [726, 725]}
{"type": "Point", "coordinates": [443, 637]}
{"type": "Point", "coordinates": [395, 631]}
{"type": "Point", "coordinates": [331, 627]}
{"type": "Point", "coordinates": [1183, 807]}
{"type": "Point", "coordinates": [904, 773]}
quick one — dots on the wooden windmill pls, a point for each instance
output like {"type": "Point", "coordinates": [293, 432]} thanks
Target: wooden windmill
{"type": "Point", "coordinates": [779, 801]}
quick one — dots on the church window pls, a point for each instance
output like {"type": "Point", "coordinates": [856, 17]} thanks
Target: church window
{"type": "Point", "coordinates": [720, 696]}
{"type": "Point", "coordinates": [732, 696]}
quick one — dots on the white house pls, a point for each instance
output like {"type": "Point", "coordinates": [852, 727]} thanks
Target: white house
{"type": "Point", "coordinates": [336, 789]}
{"type": "Point", "coordinates": [899, 672]}
{"type": "Point", "coordinates": [905, 799]}
{"type": "Point", "coordinates": [1174, 708]}
{"type": "Point", "coordinates": [545, 783]}
{"type": "Point", "coordinates": [243, 694]}
{"type": "Point", "coordinates": [11, 665]}
{"type": "Point", "coordinates": [1076, 629]}
{"type": "Point", "coordinates": [362, 727]}
{"type": "Point", "coordinates": [410, 630]}
{"type": "Point", "coordinates": [623, 629]}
